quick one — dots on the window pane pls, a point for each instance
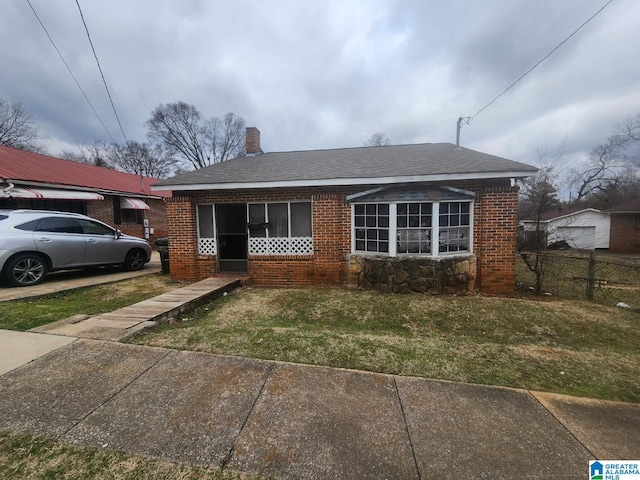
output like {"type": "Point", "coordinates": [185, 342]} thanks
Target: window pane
{"type": "Point", "coordinates": [257, 213]}
{"type": "Point", "coordinates": [205, 221]}
{"type": "Point", "coordinates": [301, 219]}
{"type": "Point", "coordinates": [278, 220]}
{"type": "Point", "coordinates": [257, 220]}
{"type": "Point", "coordinates": [95, 228]}
{"type": "Point", "coordinates": [59, 225]}
{"type": "Point", "coordinates": [372, 227]}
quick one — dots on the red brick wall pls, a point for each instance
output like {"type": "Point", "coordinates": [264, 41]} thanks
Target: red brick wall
{"type": "Point", "coordinates": [624, 236]}
{"type": "Point", "coordinates": [495, 223]}
{"type": "Point", "coordinates": [157, 216]}
{"type": "Point", "coordinates": [494, 235]}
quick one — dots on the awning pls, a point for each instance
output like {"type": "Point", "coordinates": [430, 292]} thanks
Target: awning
{"type": "Point", "coordinates": [133, 204]}
{"type": "Point", "coordinates": [47, 193]}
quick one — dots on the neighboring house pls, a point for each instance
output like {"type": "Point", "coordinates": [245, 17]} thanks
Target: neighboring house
{"type": "Point", "coordinates": [625, 227]}
{"type": "Point", "coordinates": [428, 218]}
{"type": "Point", "coordinates": [584, 228]}
{"type": "Point", "coordinates": [123, 200]}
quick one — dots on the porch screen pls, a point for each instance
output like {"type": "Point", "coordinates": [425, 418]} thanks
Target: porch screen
{"type": "Point", "coordinates": [206, 233]}
{"type": "Point", "coordinates": [280, 228]}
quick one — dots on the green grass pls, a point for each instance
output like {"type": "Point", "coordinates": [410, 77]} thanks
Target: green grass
{"type": "Point", "coordinates": [24, 456]}
{"type": "Point", "coordinates": [29, 313]}
{"type": "Point", "coordinates": [569, 347]}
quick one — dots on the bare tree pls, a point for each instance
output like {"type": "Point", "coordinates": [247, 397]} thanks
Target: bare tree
{"type": "Point", "coordinates": [182, 131]}
{"type": "Point", "coordinates": [225, 137]}
{"type": "Point", "coordinates": [539, 195]}
{"type": "Point", "coordinates": [378, 139]}
{"type": "Point", "coordinates": [17, 128]}
{"type": "Point", "coordinates": [97, 154]}
{"type": "Point", "coordinates": [604, 164]}
{"type": "Point", "coordinates": [612, 168]}
{"type": "Point", "coordinates": [630, 128]}
{"type": "Point", "coordinates": [142, 159]}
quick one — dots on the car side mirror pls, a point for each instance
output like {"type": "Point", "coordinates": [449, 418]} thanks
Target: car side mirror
{"type": "Point", "coordinates": [118, 234]}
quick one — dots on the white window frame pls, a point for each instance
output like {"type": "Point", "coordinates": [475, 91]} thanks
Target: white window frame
{"type": "Point", "coordinates": [288, 245]}
{"type": "Point", "coordinates": [207, 245]}
{"type": "Point", "coordinates": [393, 230]}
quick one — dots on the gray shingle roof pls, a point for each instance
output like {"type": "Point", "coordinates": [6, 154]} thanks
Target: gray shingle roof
{"type": "Point", "coordinates": [394, 163]}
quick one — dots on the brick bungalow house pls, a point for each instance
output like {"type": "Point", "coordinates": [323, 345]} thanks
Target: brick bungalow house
{"type": "Point", "coordinates": [426, 218]}
{"type": "Point", "coordinates": [625, 227]}
{"type": "Point", "coordinates": [123, 200]}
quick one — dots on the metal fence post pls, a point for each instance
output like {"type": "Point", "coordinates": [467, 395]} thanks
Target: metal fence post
{"type": "Point", "coordinates": [591, 276]}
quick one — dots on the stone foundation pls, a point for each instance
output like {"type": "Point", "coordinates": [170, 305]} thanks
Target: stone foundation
{"type": "Point", "coordinates": [412, 274]}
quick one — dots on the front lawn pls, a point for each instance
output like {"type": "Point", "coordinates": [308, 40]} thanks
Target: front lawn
{"type": "Point", "coordinates": [570, 347]}
{"type": "Point", "coordinates": [32, 312]}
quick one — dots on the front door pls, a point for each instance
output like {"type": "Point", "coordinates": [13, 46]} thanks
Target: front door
{"type": "Point", "coordinates": [231, 220]}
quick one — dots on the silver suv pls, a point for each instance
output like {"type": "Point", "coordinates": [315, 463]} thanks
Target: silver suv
{"type": "Point", "coordinates": [34, 243]}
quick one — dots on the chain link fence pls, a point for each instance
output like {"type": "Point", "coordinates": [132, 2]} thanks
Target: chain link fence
{"type": "Point", "coordinates": [601, 278]}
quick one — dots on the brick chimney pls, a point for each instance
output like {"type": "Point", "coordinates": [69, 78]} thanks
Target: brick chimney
{"type": "Point", "coordinates": [253, 141]}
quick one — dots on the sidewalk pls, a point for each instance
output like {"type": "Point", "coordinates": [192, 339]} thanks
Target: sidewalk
{"type": "Point", "coordinates": [292, 421]}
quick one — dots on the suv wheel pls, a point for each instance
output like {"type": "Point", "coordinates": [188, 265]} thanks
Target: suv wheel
{"type": "Point", "coordinates": [25, 270]}
{"type": "Point", "coordinates": [135, 260]}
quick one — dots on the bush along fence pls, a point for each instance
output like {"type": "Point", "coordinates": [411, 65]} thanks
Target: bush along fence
{"type": "Point", "coordinates": [595, 277]}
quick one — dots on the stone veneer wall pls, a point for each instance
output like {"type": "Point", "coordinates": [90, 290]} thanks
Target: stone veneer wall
{"type": "Point", "coordinates": [412, 274]}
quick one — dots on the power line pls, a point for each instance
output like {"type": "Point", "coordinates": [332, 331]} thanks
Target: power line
{"type": "Point", "coordinates": [101, 73]}
{"type": "Point", "coordinates": [70, 72]}
{"type": "Point", "coordinates": [543, 59]}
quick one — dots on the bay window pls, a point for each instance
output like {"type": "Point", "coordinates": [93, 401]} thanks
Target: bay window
{"type": "Point", "coordinates": [412, 228]}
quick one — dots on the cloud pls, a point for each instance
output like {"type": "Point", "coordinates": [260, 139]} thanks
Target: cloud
{"type": "Point", "coordinates": [329, 74]}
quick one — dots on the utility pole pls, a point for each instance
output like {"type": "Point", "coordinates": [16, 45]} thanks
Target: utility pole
{"type": "Point", "coordinates": [459, 126]}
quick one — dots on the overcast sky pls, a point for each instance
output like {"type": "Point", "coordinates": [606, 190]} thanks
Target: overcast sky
{"type": "Point", "coordinates": [329, 74]}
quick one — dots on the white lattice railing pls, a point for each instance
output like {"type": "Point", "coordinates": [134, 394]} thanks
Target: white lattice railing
{"type": "Point", "coordinates": [281, 246]}
{"type": "Point", "coordinates": [207, 246]}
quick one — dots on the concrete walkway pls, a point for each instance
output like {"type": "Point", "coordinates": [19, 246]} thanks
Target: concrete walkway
{"type": "Point", "coordinates": [126, 321]}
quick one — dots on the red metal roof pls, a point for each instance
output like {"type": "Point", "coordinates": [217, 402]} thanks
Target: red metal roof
{"type": "Point", "coordinates": [19, 166]}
